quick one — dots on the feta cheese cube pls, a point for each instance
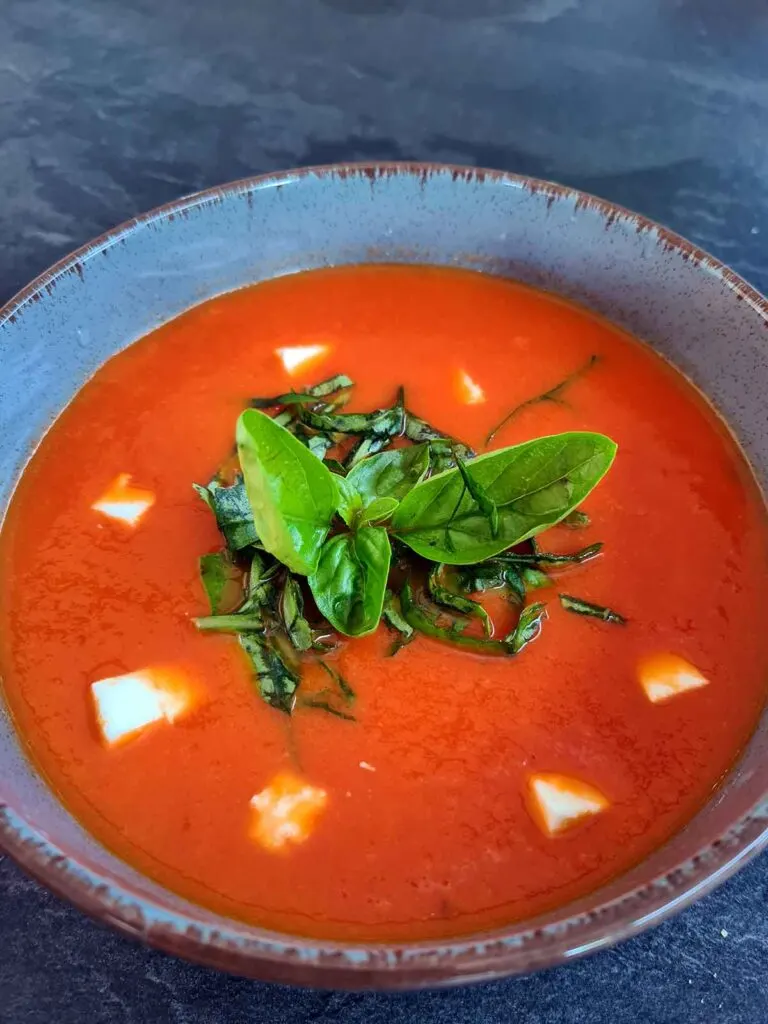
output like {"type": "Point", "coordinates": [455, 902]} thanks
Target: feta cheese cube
{"type": "Point", "coordinates": [300, 357]}
{"type": "Point", "coordinates": [123, 502]}
{"type": "Point", "coordinates": [557, 801]}
{"type": "Point", "coordinates": [285, 811]}
{"type": "Point", "coordinates": [663, 676]}
{"type": "Point", "coordinates": [126, 705]}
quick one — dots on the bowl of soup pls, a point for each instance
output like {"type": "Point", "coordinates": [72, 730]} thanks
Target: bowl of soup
{"type": "Point", "coordinates": [382, 574]}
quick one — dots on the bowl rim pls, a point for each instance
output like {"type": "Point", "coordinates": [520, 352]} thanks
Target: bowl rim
{"type": "Point", "coordinates": [514, 949]}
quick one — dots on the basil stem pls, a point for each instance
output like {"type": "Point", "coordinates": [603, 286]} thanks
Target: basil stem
{"type": "Point", "coordinates": [230, 623]}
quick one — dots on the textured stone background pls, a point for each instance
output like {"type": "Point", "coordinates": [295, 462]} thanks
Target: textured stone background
{"type": "Point", "coordinates": [108, 108]}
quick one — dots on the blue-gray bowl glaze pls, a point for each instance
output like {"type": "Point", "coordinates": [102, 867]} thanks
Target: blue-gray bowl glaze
{"type": "Point", "coordinates": [56, 333]}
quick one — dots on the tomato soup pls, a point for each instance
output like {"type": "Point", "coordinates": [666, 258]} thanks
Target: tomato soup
{"type": "Point", "coordinates": [463, 791]}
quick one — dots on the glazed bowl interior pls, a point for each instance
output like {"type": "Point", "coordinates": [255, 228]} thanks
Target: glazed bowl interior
{"type": "Point", "coordinates": [56, 333]}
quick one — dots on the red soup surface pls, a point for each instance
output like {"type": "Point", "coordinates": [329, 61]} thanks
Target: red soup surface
{"type": "Point", "coordinates": [427, 824]}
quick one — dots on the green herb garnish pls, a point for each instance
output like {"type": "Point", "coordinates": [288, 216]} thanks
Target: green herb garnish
{"type": "Point", "coordinates": [293, 496]}
{"type": "Point", "coordinates": [392, 614]}
{"type": "Point", "coordinates": [351, 579]}
{"type": "Point", "coordinates": [233, 513]}
{"type": "Point", "coordinates": [533, 485]}
{"type": "Point", "coordinates": [324, 497]}
{"type": "Point", "coordinates": [596, 611]}
{"type": "Point", "coordinates": [278, 682]}
{"type": "Point", "coordinates": [443, 595]}
{"type": "Point", "coordinates": [326, 388]}
{"type": "Point", "coordinates": [218, 574]}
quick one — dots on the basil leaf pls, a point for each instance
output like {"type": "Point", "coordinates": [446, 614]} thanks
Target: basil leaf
{"type": "Point", "coordinates": [335, 467]}
{"type": "Point", "coordinates": [261, 597]}
{"type": "Point", "coordinates": [393, 616]}
{"type": "Point", "coordinates": [384, 423]}
{"type": "Point", "coordinates": [485, 503]}
{"type": "Point", "coordinates": [293, 496]}
{"type": "Point", "coordinates": [476, 579]}
{"type": "Point", "coordinates": [262, 589]}
{"type": "Point", "coordinates": [233, 513]}
{"type": "Point", "coordinates": [292, 614]}
{"type": "Point", "coordinates": [350, 501]}
{"type": "Point", "coordinates": [595, 611]}
{"type": "Point", "coordinates": [426, 620]}
{"type": "Point", "coordinates": [318, 444]}
{"type": "Point", "coordinates": [417, 429]}
{"type": "Point", "coordinates": [534, 485]}
{"type": "Point", "coordinates": [391, 474]}
{"type": "Point", "coordinates": [351, 577]}
{"type": "Point", "coordinates": [365, 448]}
{"type": "Point", "coordinates": [236, 622]}
{"type": "Point", "coordinates": [528, 627]}
{"type": "Point", "coordinates": [218, 576]}
{"type": "Point", "coordinates": [277, 682]}
{"type": "Point", "coordinates": [440, 594]}
{"type": "Point", "coordinates": [322, 390]}
{"type": "Point", "coordinates": [539, 558]}
{"type": "Point", "coordinates": [356, 510]}
{"type": "Point", "coordinates": [377, 511]}
{"type": "Point", "coordinates": [535, 579]}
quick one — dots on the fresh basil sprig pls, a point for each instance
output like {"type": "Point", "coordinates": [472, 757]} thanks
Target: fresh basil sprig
{"type": "Point", "coordinates": [325, 494]}
{"type": "Point", "coordinates": [532, 486]}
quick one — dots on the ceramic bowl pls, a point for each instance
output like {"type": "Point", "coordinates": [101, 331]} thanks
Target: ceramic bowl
{"type": "Point", "coordinates": [56, 332]}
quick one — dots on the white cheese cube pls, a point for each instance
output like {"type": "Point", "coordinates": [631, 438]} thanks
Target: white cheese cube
{"type": "Point", "coordinates": [285, 811]}
{"type": "Point", "coordinates": [123, 502]}
{"type": "Point", "coordinates": [127, 705]}
{"type": "Point", "coordinates": [299, 357]}
{"type": "Point", "coordinates": [557, 801]}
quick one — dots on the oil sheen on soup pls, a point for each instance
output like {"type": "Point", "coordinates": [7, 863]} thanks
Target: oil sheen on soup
{"type": "Point", "coordinates": [410, 787]}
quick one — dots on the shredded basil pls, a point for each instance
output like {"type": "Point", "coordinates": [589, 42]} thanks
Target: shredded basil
{"type": "Point", "coordinates": [595, 611]}
{"type": "Point", "coordinates": [388, 518]}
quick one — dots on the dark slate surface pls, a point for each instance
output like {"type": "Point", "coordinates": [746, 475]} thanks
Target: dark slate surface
{"type": "Point", "coordinates": [110, 107]}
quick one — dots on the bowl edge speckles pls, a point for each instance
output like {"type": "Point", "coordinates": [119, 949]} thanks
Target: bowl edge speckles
{"type": "Point", "coordinates": [59, 329]}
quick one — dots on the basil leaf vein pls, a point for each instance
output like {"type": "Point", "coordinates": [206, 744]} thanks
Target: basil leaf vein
{"type": "Point", "coordinates": [532, 485]}
{"type": "Point", "coordinates": [390, 474]}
